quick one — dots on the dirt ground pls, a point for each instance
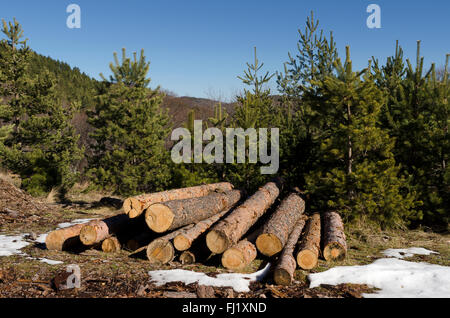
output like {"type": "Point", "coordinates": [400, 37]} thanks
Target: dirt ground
{"type": "Point", "coordinates": [119, 275]}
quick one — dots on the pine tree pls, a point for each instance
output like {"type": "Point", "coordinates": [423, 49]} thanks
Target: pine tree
{"type": "Point", "coordinates": [254, 110]}
{"type": "Point", "coordinates": [42, 146]}
{"type": "Point", "coordinates": [357, 173]}
{"type": "Point", "coordinates": [130, 133]}
{"type": "Point", "coordinates": [300, 125]}
{"type": "Point", "coordinates": [416, 115]}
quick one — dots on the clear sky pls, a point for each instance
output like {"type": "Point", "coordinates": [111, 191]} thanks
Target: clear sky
{"type": "Point", "coordinates": [197, 48]}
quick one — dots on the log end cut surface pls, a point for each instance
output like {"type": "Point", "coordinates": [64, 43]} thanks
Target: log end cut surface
{"type": "Point", "coordinates": [55, 240]}
{"type": "Point", "coordinates": [307, 259]}
{"type": "Point", "coordinates": [111, 245]}
{"type": "Point", "coordinates": [159, 218]}
{"type": "Point", "coordinates": [268, 244]}
{"type": "Point", "coordinates": [132, 207]}
{"type": "Point", "coordinates": [187, 258]}
{"type": "Point", "coordinates": [233, 259]}
{"type": "Point", "coordinates": [282, 277]}
{"type": "Point", "coordinates": [160, 252]}
{"type": "Point", "coordinates": [217, 242]}
{"type": "Point", "coordinates": [334, 252]}
{"type": "Point", "coordinates": [181, 243]}
{"type": "Point", "coordinates": [88, 235]}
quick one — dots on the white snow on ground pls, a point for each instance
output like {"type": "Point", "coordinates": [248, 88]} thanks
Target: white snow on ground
{"type": "Point", "coordinates": [396, 278]}
{"type": "Point", "coordinates": [74, 222]}
{"type": "Point", "coordinates": [11, 245]}
{"type": "Point", "coordinates": [239, 282]}
{"type": "Point", "coordinates": [407, 252]}
{"type": "Point", "coordinates": [50, 261]}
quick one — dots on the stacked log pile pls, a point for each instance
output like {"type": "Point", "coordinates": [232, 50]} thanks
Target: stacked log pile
{"type": "Point", "coordinates": [193, 224]}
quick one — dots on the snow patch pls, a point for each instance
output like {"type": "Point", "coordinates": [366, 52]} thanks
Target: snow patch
{"type": "Point", "coordinates": [74, 222]}
{"type": "Point", "coordinates": [50, 261]}
{"type": "Point", "coordinates": [396, 278]}
{"type": "Point", "coordinates": [239, 282]}
{"type": "Point", "coordinates": [407, 252]}
{"type": "Point", "coordinates": [11, 245]}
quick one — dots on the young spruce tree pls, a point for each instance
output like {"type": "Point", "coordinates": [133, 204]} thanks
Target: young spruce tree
{"type": "Point", "coordinates": [131, 130]}
{"type": "Point", "coordinates": [39, 143]}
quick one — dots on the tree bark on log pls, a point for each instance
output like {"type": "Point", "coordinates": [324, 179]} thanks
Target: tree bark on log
{"type": "Point", "coordinates": [184, 240]}
{"type": "Point", "coordinates": [166, 216]}
{"type": "Point", "coordinates": [99, 230]}
{"type": "Point", "coordinates": [160, 251]}
{"type": "Point", "coordinates": [135, 206]}
{"type": "Point", "coordinates": [284, 271]}
{"type": "Point", "coordinates": [334, 241]}
{"type": "Point", "coordinates": [64, 239]}
{"type": "Point", "coordinates": [111, 245]}
{"type": "Point", "coordinates": [276, 231]}
{"type": "Point", "coordinates": [309, 248]}
{"type": "Point", "coordinates": [229, 231]}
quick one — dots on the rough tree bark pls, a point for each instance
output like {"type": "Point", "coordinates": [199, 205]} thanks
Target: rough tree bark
{"type": "Point", "coordinates": [276, 231]}
{"type": "Point", "coordinates": [166, 216]}
{"type": "Point", "coordinates": [334, 241]}
{"type": "Point", "coordinates": [229, 231]}
{"type": "Point", "coordinates": [284, 271]}
{"type": "Point", "coordinates": [309, 248]}
{"type": "Point", "coordinates": [99, 230]}
{"type": "Point", "coordinates": [184, 240]}
{"type": "Point", "coordinates": [135, 206]}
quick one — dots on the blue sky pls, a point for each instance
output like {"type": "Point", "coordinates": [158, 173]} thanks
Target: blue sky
{"type": "Point", "coordinates": [198, 48]}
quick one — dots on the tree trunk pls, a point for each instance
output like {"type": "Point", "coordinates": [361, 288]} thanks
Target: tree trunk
{"type": "Point", "coordinates": [276, 231]}
{"type": "Point", "coordinates": [111, 245]}
{"type": "Point", "coordinates": [166, 216]}
{"type": "Point", "coordinates": [135, 206]}
{"type": "Point", "coordinates": [99, 230]}
{"type": "Point", "coordinates": [334, 244]}
{"type": "Point", "coordinates": [64, 239]}
{"type": "Point", "coordinates": [184, 240]}
{"type": "Point", "coordinates": [284, 271]}
{"type": "Point", "coordinates": [308, 251]}
{"type": "Point", "coordinates": [229, 231]}
{"type": "Point", "coordinates": [161, 251]}
{"type": "Point", "coordinates": [239, 256]}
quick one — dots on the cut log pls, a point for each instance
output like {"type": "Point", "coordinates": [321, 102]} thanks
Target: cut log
{"type": "Point", "coordinates": [239, 256]}
{"type": "Point", "coordinates": [187, 257]}
{"type": "Point", "coordinates": [166, 216]}
{"type": "Point", "coordinates": [284, 271]}
{"type": "Point", "coordinates": [229, 231]}
{"type": "Point", "coordinates": [97, 231]}
{"type": "Point", "coordinates": [276, 231]}
{"type": "Point", "coordinates": [111, 245]}
{"type": "Point", "coordinates": [309, 248]}
{"type": "Point", "coordinates": [184, 240]}
{"type": "Point", "coordinates": [334, 244]}
{"type": "Point", "coordinates": [161, 251]}
{"type": "Point", "coordinates": [135, 206]}
{"type": "Point", "coordinates": [64, 239]}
